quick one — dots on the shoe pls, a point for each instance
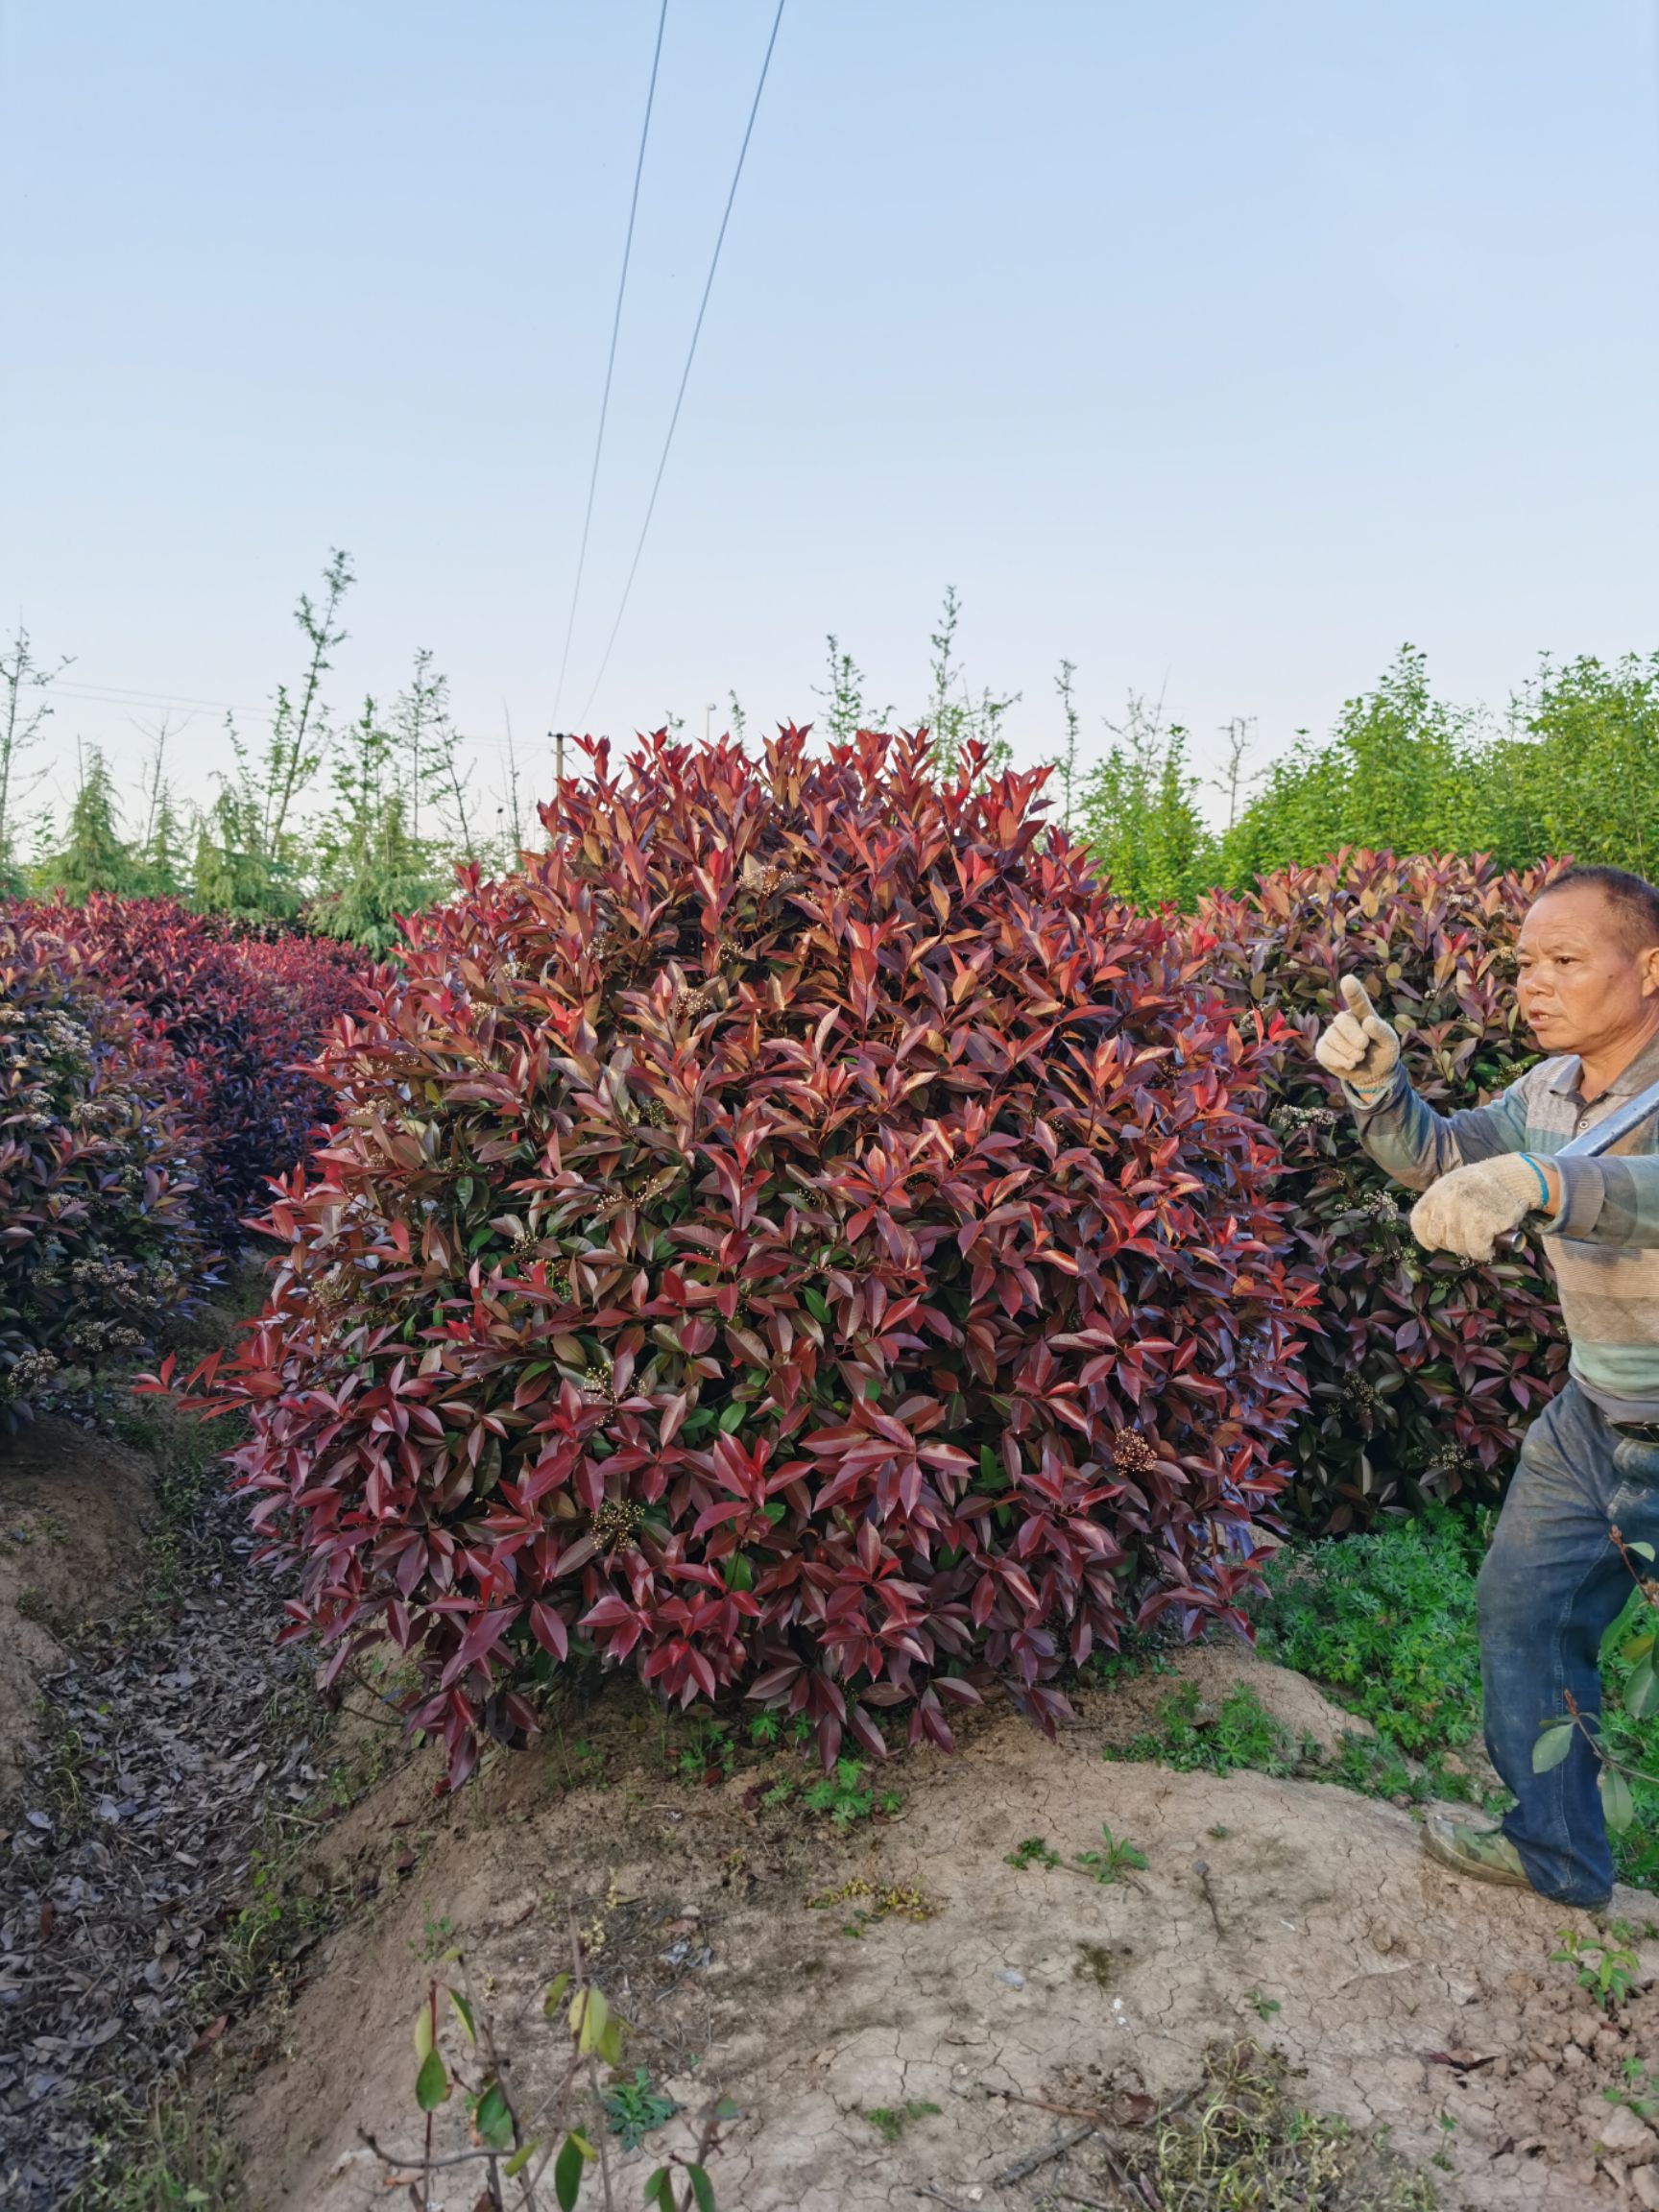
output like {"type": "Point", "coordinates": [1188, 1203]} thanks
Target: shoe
{"type": "Point", "coordinates": [1487, 1853]}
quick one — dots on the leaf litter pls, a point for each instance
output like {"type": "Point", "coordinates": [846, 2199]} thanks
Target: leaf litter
{"type": "Point", "coordinates": [170, 1747]}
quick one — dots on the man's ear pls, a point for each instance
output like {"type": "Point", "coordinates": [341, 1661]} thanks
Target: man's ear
{"type": "Point", "coordinates": [1649, 957]}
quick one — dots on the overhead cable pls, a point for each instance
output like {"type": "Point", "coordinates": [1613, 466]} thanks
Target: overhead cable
{"type": "Point", "coordinates": [690, 356]}
{"type": "Point", "coordinates": [610, 362]}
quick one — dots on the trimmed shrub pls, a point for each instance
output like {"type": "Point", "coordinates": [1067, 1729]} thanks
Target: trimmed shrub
{"type": "Point", "coordinates": [1424, 1369]}
{"type": "Point", "coordinates": [239, 1014]}
{"type": "Point", "coordinates": [98, 1235]}
{"type": "Point", "coordinates": [800, 1234]}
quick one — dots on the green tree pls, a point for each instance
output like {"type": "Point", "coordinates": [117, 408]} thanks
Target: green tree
{"type": "Point", "coordinates": [160, 852]}
{"type": "Point", "coordinates": [1578, 771]}
{"type": "Point", "coordinates": [1137, 813]}
{"type": "Point", "coordinates": [845, 713]}
{"type": "Point", "coordinates": [1398, 773]}
{"type": "Point", "coordinates": [1066, 767]}
{"type": "Point", "coordinates": [957, 717]}
{"type": "Point", "coordinates": [442, 805]}
{"type": "Point", "coordinates": [24, 711]}
{"type": "Point", "coordinates": [94, 855]}
{"type": "Point", "coordinates": [370, 865]}
{"type": "Point", "coordinates": [251, 853]}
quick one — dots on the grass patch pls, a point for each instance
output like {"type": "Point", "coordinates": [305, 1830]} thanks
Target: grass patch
{"type": "Point", "coordinates": [890, 2121]}
{"type": "Point", "coordinates": [1189, 1735]}
{"type": "Point", "coordinates": [1386, 1620]}
{"type": "Point", "coordinates": [1389, 1620]}
{"type": "Point", "coordinates": [166, 2156]}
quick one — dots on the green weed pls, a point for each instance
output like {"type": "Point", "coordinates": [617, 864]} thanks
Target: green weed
{"type": "Point", "coordinates": [1637, 2089]}
{"type": "Point", "coordinates": [162, 2157]}
{"type": "Point", "coordinates": [1236, 1733]}
{"type": "Point", "coordinates": [634, 2107]}
{"type": "Point", "coordinates": [437, 1939]}
{"type": "Point", "coordinates": [279, 1919]}
{"type": "Point", "coordinates": [1607, 1970]}
{"type": "Point", "coordinates": [1389, 1620]}
{"type": "Point", "coordinates": [891, 2120]}
{"type": "Point", "coordinates": [847, 1794]}
{"type": "Point", "coordinates": [1033, 1851]}
{"type": "Point", "coordinates": [1115, 1856]}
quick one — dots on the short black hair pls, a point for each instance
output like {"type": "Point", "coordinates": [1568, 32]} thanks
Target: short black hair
{"type": "Point", "coordinates": [1633, 899]}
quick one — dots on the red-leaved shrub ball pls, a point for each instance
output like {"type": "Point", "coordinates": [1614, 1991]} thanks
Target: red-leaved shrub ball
{"type": "Point", "coordinates": [799, 1233]}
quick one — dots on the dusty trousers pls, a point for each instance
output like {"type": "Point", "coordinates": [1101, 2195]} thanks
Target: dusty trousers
{"type": "Point", "coordinates": [1552, 1585]}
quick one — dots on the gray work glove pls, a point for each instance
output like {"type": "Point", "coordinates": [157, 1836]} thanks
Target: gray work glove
{"type": "Point", "coordinates": [1469, 1209]}
{"type": "Point", "coordinates": [1359, 1046]}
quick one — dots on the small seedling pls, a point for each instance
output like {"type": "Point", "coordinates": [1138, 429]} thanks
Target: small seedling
{"type": "Point", "coordinates": [1220, 1831]}
{"type": "Point", "coordinates": [1033, 1851]}
{"type": "Point", "coordinates": [1637, 2088]}
{"type": "Point", "coordinates": [436, 1937]}
{"type": "Point", "coordinates": [846, 1795]}
{"type": "Point", "coordinates": [1117, 1856]}
{"type": "Point", "coordinates": [892, 2120]}
{"type": "Point", "coordinates": [1263, 2008]}
{"type": "Point", "coordinates": [1606, 1970]}
{"type": "Point", "coordinates": [634, 2108]}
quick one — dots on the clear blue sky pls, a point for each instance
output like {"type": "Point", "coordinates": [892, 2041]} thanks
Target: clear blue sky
{"type": "Point", "coordinates": [1218, 346]}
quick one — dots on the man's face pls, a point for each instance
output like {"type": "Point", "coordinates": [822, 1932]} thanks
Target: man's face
{"type": "Point", "coordinates": [1583, 985]}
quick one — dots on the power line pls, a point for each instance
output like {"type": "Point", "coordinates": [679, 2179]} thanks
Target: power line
{"type": "Point", "coordinates": [690, 356]}
{"type": "Point", "coordinates": [98, 694]}
{"type": "Point", "coordinates": [610, 363]}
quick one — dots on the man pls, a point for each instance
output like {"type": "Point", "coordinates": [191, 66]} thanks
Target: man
{"type": "Point", "coordinates": [1553, 1581]}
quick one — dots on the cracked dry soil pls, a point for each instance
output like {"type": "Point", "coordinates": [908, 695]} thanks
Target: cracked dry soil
{"type": "Point", "coordinates": [1407, 2001]}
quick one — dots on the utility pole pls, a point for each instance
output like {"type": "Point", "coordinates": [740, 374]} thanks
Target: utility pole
{"type": "Point", "coordinates": [558, 736]}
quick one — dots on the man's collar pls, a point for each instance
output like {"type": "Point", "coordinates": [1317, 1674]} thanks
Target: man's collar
{"type": "Point", "coordinates": [1642, 1071]}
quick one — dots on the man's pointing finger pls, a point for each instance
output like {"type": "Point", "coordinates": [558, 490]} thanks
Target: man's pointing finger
{"type": "Point", "coordinates": [1359, 999]}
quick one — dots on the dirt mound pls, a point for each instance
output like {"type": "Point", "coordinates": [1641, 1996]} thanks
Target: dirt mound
{"type": "Point", "coordinates": [879, 2056]}
{"type": "Point", "coordinates": [72, 1508]}
{"type": "Point", "coordinates": [1306, 1716]}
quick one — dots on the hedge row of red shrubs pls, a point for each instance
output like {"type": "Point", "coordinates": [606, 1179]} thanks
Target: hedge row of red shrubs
{"type": "Point", "coordinates": [148, 1065]}
{"type": "Point", "coordinates": [1424, 1369]}
{"type": "Point", "coordinates": [98, 1240]}
{"type": "Point", "coordinates": [239, 1012]}
{"type": "Point", "coordinates": [801, 1234]}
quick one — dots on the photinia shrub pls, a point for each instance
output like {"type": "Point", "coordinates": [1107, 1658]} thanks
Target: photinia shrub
{"type": "Point", "coordinates": [1426, 1369]}
{"type": "Point", "coordinates": [239, 1014]}
{"type": "Point", "coordinates": [98, 1233]}
{"type": "Point", "coordinates": [799, 1233]}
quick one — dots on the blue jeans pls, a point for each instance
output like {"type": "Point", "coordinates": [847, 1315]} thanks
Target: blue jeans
{"type": "Point", "coordinates": [1552, 1585]}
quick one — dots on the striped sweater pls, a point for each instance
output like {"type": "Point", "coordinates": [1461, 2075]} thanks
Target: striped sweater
{"type": "Point", "coordinates": [1603, 1244]}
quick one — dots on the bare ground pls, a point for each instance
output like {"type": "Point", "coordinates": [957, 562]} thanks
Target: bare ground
{"type": "Point", "coordinates": [748, 1945]}
{"type": "Point", "coordinates": [1290, 1910]}
{"type": "Point", "coordinates": [72, 1512]}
